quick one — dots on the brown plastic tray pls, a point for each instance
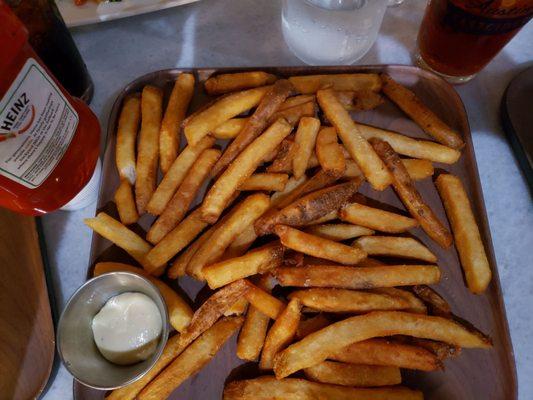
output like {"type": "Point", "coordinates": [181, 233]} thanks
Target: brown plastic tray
{"type": "Point", "coordinates": [475, 374]}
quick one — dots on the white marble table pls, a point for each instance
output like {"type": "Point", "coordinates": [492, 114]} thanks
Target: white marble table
{"type": "Point", "coordinates": [248, 33]}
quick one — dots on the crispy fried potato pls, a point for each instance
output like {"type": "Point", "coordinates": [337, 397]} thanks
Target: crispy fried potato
{"type": "Point", "coordinates": [318, 181]}
{"type": "Point", "coordinates": [466, 231]}
{"type": "Point", "coordinates": [225, 83]}
{"type": "Point", "coordinates": [418, 169]}
{"type": "Point", "coordinates": [265, 181]}
{"type": "Point", "coordinates": [305, 140]}
{"type": "Point", "coordinates": [410, 104]}
{"type": "Point", "coordinates": [292, 185]}
{"type": "Point", "coordinates": [128, 124]}
{"type": "Point", "coordinates": [415, 305]}
{"type": "Point", "coordinates": [238, 308]}
{"type": "Point", "coordinates": [264, 302]}
{"type": "Point", "coordinates": [436, 303]}
{"type": "Point", "coordinates": [329, 152]}
{"type": "Point", "coordinates": [339, 232]}
{"type": "Point", "coordinates": [230, 128]}
{"type": "Point", "coordinates": [326, 218]}
{"type": "Point", "coordinates": [148, 146]}
{"type": "Point", "coordinates": [310, 325]}
{"type": "Point", "coordinates": [393, 246]}
{"type": "Point", "coordinates": [297, 101]}
{"type": "Point", "coordinates": [376, 219]}
{"type": "Point", "coordinates": [360, 150]}
{"type": "Point", "coordinates": [353, 375]}
{"type": "Point", "coordinates": [294, 114]}
{"type": "Point", "coordinates": [169, 134]}
{"type": "Point", "coordinates": [312, 83]}
{"type": "Point", "coordinates": [440, 349]}
{"type": "Point", "coordinates": [127, 210]}
{"type": "Point", "coordinates": [360, 100]}
{"type": "Point", "coordinates": [283, 160]}
{"type": "Point", "coordinates": [241, 244]}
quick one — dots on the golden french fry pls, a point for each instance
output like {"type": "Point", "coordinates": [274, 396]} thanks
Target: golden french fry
{"type": "Point", "coordinates": [292, 185]}
{"type": "Point", "coordinates": [336, 276]}
{"type": "Point", "coordinates": [179, 204]}
{"type": "Point", "coordinates": [318, 181]}
{"type": "Point", "coordinates": [410, 197]}
{"type": "Point", "coordinates": [376, 219]}
{"type": "Point", "coordinates": [269, 388]}
{"type": "Point", "coordinates": [283, 160]}
{"type": "Point", "coordinates": [317, 246]}
{"type": "Point", "coordinates": [316, 347]}
{"type": "Point", "coordinates": [437, 305]}
{"type": "Point", "coordinates": [173, 178]}
{"type": "Point", "coordinates": [360, 150]}
{"type": "Point", "coordinates": [326, 218]}
{"type": "Point", "coordinates": [305, 140]}
{"type": "Point", "coordinates": [296, 101]}
{"type": "Point", "coordinates": [338, 232]}
{"type": "Point", "coordinates": [410, 104]}
{"type": "Point", "coordinates": [225, 83]}
{"type": "Point", "coordinates": [312, 83]}
{"type": "Point", "coordinates": [127, 210]}
{"type": "Point", "coordinates": [241, 244]}
{"type": "Point", "coordinates": [169, 134]}
{"type": "Point", "coordinates": [281, 333]}
{"type": "Point", "coordinates": [466, 231]}
{"type": "Point", "coordinates": [403, 247]}
{"type": "Point", "coordinates": [294, 114]}
{"type": "Point", "coordinates": [191, 360]}
{"type": "Point", "coordinates": [353, 375]}
{"type": "Point", "coordinates": [241, 169]}
{"type": "Point", "coordinates": [128, 124]}
{"type": "Point", "coordinates": [360, 100]}
{"type": "Point", "coordinates": [179, 312]}
{"type": "Point", "coordinates": [414, 304]}
{"type": "Point", "coordinates": [238, 308]}
{"type": "Point", "coordinates": [264, 302]}
{"type": "Point", "coordinates": [148, 146]}
{"type": "Point", "coordinates": [229, 129]}
{"type": "Point", "coordinates": [418, 169]}
{"type": "Point", "coordinates": [265, 181]}
{"type": "Point", "coordinates": [441, 350]}
{"type": "Point", "coordinates": [310, 325]}
{"type": "Point", "coordinates": [329, 152]}
{"type": "Point", "coordinates": [227, 107]}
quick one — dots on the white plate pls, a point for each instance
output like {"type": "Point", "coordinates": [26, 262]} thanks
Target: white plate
{"type": "Point", "coordinates": [92, 12]}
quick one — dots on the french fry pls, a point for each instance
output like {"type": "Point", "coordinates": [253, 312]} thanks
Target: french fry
{"type": "Point", "coordinates": [466, 231]}
{"type": "Point", "coordinates": [128, 124]}
{"type": "Point", "coordinates": [418, 169]}
{"type": "Point", "coordinates": [317, 246]}
{"type": "Point", "coordinates": [191, 360]}
{"type": "Point", "coordinates": [257, 261]}
{"type": "Point", "coordinates": [316, 347]}
{"type": "Point", "coordinates": [225, 83]}
{"type": "Point", "coordinates": [265, 181]}
{"type": "Point", "coordinates": [297, 101]}
{"type": "Point", "coordinates": [388, 353]}
{"type": "Point", "coordinates": [305, 140]}
{"type": "Point", "coordinates": [360, 100]}
{"type": "Point", "coordinates": [344, 374]}
{"type": "Point", "coordinates": [410, 197]}
{"type": "Point", "coordinates": [329, 152]}
{"type": "Point", "coordinates": [283, 160]}
{"type": "Point", "coordinates": [437, 305]}
{"type": "Point", "coordinates": [410, 104]}
{"type": "Point", "coordinates": [326, 218]}
{"type": "Point", "coordinates": [241, 169]}
{"type": "Point", "coordinates": [294, 114]}
{"type": "Point", "coordinates": [148, 146]}
{"type": "Point", "coordinates": [238, 308]}
{"type": "Point", "coordinates": [227, 107]}
{"type": "Point", "coordinates": [176, 174]}
{"type": "Point", "coordinates": [281, 333]}
{"type": "Point", "coordinates": [360, 150]}
{"type": "Point", "coordinates": [241, 243]}
{"type": "Point", "coordinates": [313, 83]}
{"type": "Point", "coordinates": [344, 277]}
{"type": "Point", "coordinates": [414, 304]}
{"type": "Point", "coordinates": [127, 210]}
{"type": "Point", "coordinates": [269, 388]}
{"type": "Point", "coordinates": [310, 325]}
{"type": "Point", "coordinates": [338, 232]}
{"type": "Point", "coordinates": [179, 312]}
{"type": "Point", "coordinates": [391, 246]}
{"type": "Point", "coordinates": [178, 206]}
{"type": "Point", "coordinates": [292, 185]}
{"type": "Point", "coordinates": [376, 219]}
{"type": "Point", "coordinates": [440, 349]}
{"type": "Point", "coordinates": [264, 302]}
{"type": "Point", "coordinates": [229, 129]}
{"type": "Point", "coordinates": [318, 181]}
{"type": "Point", "coordinates": [169, 134]}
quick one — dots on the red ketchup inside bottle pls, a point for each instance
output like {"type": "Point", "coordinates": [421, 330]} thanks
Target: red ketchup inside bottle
{"type": "Point", "coordinates": [49, 141]}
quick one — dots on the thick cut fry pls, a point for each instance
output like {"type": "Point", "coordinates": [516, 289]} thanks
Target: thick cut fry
{"type": "Point", "coordinates": [312, 83]}
{"type": "Point", "coordinates": [318, 181]}
{"type": "Point", "coordinates": [317, 246]}
{"type": "Point", "coordinates": [283, 160]}
{"type": "Point", "coordinates": [316, 347]}
{"type": "Point", "coordinates": [178, 206]}
{"type": "Point", "coordinates": [176, 174]}
{"type": "Point", "coordinates": [329, 152]}
{"type": "Point", "coordinates": [265, 181]}
{"type": "Point", "coordinates": [292, 185]}
{"type": "Point", "coordinates": [225, 83]}
{"type": "Point", "coordinates": [353, 375]}
{"type": "Point", "coordinates": [264, 302]}
{"type": "Point", "coordinates": [339, 232]}
{"type": "Point", "coordinates": [466, 231]}
{"type": "Point", "coordinates": [293, 115]}
{"type": "Point", "coordinates": [238, 308]}
{"type": "Point", "coordinates": [281, 333]}
{"type": "Point", "coordinates": [358, 277]}
{"type": "Point", "coordinates": [241, 169]}
{"type": "Point", "coordinates": [411, 198]}
{"type": "Point", "coordinates": [296, 101]}
{"type": "Point", "coordinates": [270, 388]}
{"type": "Point", "coordinates": [388, 352]}
{"type": "Point", "coordinates": [437, 305]}
{"type": "Point", "coordinates": [128, 124]}
{"type": "Point", "coordinates": [191, 360]}
{"type": "Point", "coordinates": [403, 247]}
{"type": "Point", "coordinates": [117, 233]}
{"type": "Point", "coordinates": [360, 150]}
{"type": "Point", "coordinates": [376, 219]}
{"type": "Point", "coordinates": [310, 325]}
{"type": "Point", "coordinates": [326, 218]}
{"type": "Point", "coordinates": [127, 210]}
{"type": "Point", "coordinates": [360, 100]}
{"type": "Point", "coordinates": [241, 244]}
{"type": "Point", "coordinates": [440, 349]}
{"type": "Point", "coordinates": [169, 134]}
{"type": "Point", "coordinates": [242, 216]}
{"type": "Point", "coordinates": [418, 169]}
{"type": "Point", "coordinates": [205, 121]}
{"type": "Point", "coordinates": [410, 104]}
{"type": "Point", "coordinates": [255, 262]}
{"type": "Point", "coordinates": [148, 146]}
{"type": "Point", "coordinates": [305, 140]}
{"type": "Point", "coordinates": [179, 312]}
{"type": "Point", "coordinates": [414, 304]}
{"type": "Point", "coordinates": [230, 128]}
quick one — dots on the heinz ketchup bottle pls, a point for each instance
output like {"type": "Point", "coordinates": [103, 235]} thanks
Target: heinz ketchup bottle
{"type": "Point", "coordinates": [49, 141]}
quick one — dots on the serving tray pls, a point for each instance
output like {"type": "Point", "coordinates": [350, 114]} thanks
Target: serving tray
{"type": "Point", "coordinates": [475, 374]}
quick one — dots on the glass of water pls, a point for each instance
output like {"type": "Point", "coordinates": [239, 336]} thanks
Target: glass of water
{"type": "Point", "coordinates": [327, 32]}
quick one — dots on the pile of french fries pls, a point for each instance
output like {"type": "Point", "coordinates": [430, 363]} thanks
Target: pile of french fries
{"type": "Point", "coordinates": [293, 253]}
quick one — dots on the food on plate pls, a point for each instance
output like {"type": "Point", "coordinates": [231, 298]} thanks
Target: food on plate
{"type": "Point", "coordinates": [229, 129]}
{"type": "Point", "coordinates": [268, 182]}
{"type": "Point", "coordinates": [344, 374]}
{"type": "Point", "coordinates": [294, 114]}
{"type": "Point", "coordinates": [297, 101]}
{"type": "Point", "coordinates": [312, 83]}
{"type": "Point", "coordinates": [312, 324]}
{"type": "Point", "coordinates": [395, 246]}
{"type": "Point", "coordinates": [125, 201]}
{"type": "Point", "coordinates": [415, 303]}
{"type": "Point", "coordinates": [376, 219]}
{"type": "Point", "coordinates": [304, 139]}
{"type": "Point", "coordinates": [264, 302]}
{"type": "Point", "coordinates": [282, 162]}
{"type": "Point", "coordinates": [128, 124]}
{"type": "Point", "coordinates": [329, 152]}
{"type": "Point", "coordinates": [224, 83]}
{"type": "Point", "coordinates": [418, 169]}
{"type": "Point", "coordinates": [338, 232]}
{"type": "Point", "coordinates": [359, 100]}
{"type": "Point", "coordinates": [241, 244]}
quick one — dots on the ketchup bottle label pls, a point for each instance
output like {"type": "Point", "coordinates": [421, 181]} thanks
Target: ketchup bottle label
{"type": "Point", "coordinates": [37, 124]}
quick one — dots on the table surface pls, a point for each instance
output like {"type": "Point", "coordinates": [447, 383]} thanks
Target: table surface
{"type": "Point", "coordinates": [221, 33]}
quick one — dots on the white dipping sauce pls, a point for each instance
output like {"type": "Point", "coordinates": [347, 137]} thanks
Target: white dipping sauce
{"type": "Point", "coordinates": [127, 328]}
